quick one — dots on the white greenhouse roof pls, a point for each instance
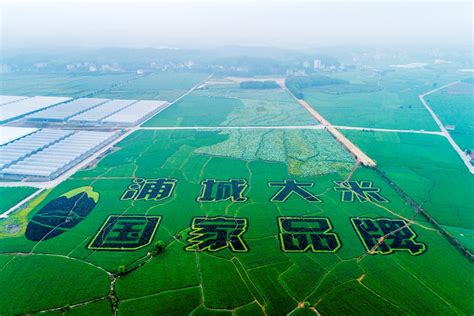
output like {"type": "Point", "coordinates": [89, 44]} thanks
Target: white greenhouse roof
{"type": "Point", "coordinates": [20, 108]}
{"type": "Point", "coordinates": [4, 99]}
{"type": "Point", "coordinates": [67, 110]}
{"type": "Point", "coordinates": [135, 112]}
{"type": "Point", "coordinates": [7, 133]}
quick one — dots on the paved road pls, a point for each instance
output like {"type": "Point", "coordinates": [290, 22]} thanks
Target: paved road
{"type": "Point", "coordinates": [461, 153]}
{"type": "Point", "coordinates": [25, 200]}
{"type": "Point", "coordinates": [233, 127]}
{"type": "Point", "coordinates": [388, 130]}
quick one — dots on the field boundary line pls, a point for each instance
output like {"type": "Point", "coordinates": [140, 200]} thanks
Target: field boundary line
{"type": "Point", "coordinates": [418, 209]}
{"type": "Point", "coordinates": [197, 85]}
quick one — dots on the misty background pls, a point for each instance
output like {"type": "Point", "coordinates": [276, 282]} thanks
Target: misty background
{"type": "Point", "coordinates": [201, 24]}
{"type": "Point", "coordinates": [231, 37]}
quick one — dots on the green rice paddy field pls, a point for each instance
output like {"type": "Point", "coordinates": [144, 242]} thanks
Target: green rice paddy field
{"type": "Point", "coordinates": [264, 279]}
{"type": "Point", "coordinates": [58, 84]}
{"type": "Point", "coordinates": [228, 105]}
{"type": "Point", "coordinates": [156, 86]}
{"type": "Point", "coordinates": [12, 195]}
{"type": "Point", "coordinates": [453, 106]}
{"type": "Point", "coordinates": [429, 171]}
{"type": "Point", "coordinates": [391, 102]}
{"type": "Point", "coordinates": [163, 86]}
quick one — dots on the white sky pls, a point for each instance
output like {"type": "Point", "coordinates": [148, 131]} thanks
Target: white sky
{"type": "Point", "coordinates": [107, 23]}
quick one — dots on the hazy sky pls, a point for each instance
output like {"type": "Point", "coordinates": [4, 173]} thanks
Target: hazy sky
{"type": "Point", "coordinates": [106, 23]}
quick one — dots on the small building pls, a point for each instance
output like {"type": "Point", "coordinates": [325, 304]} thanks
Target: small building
{"type": "Point", "coordinates": [317, 64]}
{"type": "Point", "coordinates": [450, 127]}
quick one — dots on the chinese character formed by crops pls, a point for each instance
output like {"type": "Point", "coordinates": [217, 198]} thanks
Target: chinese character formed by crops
{"type": "Point", "coordinates": [361, 191]}
{"type": "Point", "coordinates": [384, 236]}
{"type": "Point", "coordinates": [300, 234]}
{"type": "Point", "coordinates": [288, 187]}
{"type": "Point", "coordinates": [222, 190]}
{"type": "Point", "coordinates": [217, 233]}
{"type": "Point", "coordinates": [124, 232]}
{"type": "Point", "coordinates": [149, 189]}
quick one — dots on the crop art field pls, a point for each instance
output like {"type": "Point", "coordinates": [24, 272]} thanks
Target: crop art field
{"type": "Point", "coordinates": [238, 202]}
{"type": "Point", "coordinates": [252, 222]}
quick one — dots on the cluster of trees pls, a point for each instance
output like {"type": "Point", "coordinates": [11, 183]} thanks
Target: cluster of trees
{"type": "Point", "coordinates": [259, 85]}
{"type": "Point", "coordinates": [297, 83]}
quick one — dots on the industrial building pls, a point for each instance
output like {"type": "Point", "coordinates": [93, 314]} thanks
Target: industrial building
{"type": "Point", "coordinates": [47, 153]}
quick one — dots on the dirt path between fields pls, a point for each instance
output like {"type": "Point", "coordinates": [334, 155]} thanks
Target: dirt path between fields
{"type": "Point", "coordinates": [359, 155]}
